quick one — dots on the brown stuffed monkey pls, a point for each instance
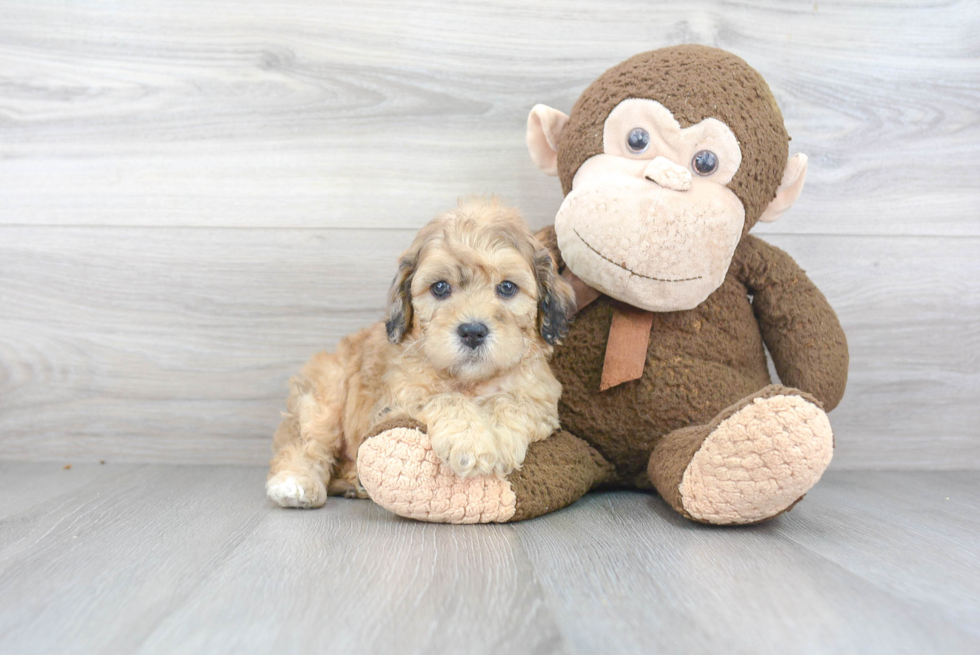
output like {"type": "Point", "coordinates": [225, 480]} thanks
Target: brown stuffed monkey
{"type": "Point", "coordinates": [667, 160]}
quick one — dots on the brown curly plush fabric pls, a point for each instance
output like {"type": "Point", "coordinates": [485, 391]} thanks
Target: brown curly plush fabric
{"type": "Point", "coordinates": [694, 82]}
{"type": "Point", "coordinates": [562, 469]}
{"type": "Point", "coordinates": [391, 424]}
{"type": "Point", "coordinates": [701, 361]}
{"type": "Point", "coordinates": [703, 364]}
{"type": "Point", "coordinates": [805, 339]}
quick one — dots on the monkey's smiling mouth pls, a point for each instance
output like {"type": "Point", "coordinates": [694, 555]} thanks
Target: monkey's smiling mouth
{"type": "Point", "coordinates": [631, 272]}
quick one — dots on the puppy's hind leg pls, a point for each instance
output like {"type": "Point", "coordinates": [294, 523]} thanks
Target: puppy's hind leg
{"type": "Point", "coordinates": [295, 478]}
{"type": "Point", "coordinates": [346, 483]}
{"type": "Point", "coordinates": [309, 439]}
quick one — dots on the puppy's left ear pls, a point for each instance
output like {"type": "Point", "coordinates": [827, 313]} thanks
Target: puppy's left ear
{"type": "Point", "coordinates": [400, 297]}
{"type": "Point", "coordinates": [556, 298]}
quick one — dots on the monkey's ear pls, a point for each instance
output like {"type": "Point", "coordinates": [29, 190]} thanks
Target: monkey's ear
{"type": "Point", "coordinates": [556, 298]}
{"type": "Point", "coordinates": [400, 298]}
{"type": "Point", "coordinates": [544, 128]}
{"type": "Point", "coordinates": [789, 189]}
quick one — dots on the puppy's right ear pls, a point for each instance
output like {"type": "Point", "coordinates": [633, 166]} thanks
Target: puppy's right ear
{"type": "Point", "coordinates": [400, 297]}
{"type": "Point", "coordinates": [556, 298]}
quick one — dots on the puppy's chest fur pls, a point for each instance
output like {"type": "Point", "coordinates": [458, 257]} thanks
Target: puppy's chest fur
{"type": "Point", "coordinates": [387, 381]}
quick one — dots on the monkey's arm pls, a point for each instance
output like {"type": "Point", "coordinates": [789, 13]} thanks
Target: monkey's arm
{"type": "Point", "coordinates": [799, 326]}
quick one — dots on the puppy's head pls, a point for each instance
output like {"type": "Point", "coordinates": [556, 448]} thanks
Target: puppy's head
{"type": "Point", "coordinates": [478, 292]}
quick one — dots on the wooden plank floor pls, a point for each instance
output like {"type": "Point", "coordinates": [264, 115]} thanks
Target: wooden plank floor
{"type": "Point", "coordinates": [183, 559]}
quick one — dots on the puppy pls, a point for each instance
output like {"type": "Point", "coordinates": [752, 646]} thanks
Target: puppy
{"type": "Point", "coordinates": [474, 310]}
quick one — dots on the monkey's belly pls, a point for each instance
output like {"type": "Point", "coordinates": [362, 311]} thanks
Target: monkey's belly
{"type": "Point", "coordinates": [698, 363]}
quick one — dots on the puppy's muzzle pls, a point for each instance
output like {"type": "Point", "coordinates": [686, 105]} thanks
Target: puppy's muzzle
{"type": "Point", "coordinates": [473, 334]}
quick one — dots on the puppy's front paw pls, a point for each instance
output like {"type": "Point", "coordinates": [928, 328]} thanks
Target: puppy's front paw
{"type": "Point", "coordinates": [475, 451]}
{"type": "Point", "coordinates": [290, 489]}
{"type": "Point", "coordinates": [470, 459]}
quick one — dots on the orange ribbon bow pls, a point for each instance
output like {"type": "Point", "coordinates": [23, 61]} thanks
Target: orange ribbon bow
{"type": "Point", "coordinates": [629, 335]}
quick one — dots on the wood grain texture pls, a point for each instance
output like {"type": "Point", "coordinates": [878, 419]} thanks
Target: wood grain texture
{"type": "Point", "coordinates": [632, 567]}
{"type": "Point", "coordinates": [20, 491]}
{"type": "Point", "coordinates": [196, 196]}
{"type": "Point", "coordinates": [165, 559]}
{"type": "Point", "coordinates": [316, 114]}
{"type": "Point", "coordinates": [176, 345]}
{"type": "Point", "coordinates": [934, 503]}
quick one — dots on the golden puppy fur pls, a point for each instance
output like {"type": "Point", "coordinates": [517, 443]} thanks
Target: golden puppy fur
{"type": "Point", "coordinates": [474, 310]}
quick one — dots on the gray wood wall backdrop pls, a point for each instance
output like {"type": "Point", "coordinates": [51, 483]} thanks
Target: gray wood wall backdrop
{"type": "Point", "coordinates": [195, 196]}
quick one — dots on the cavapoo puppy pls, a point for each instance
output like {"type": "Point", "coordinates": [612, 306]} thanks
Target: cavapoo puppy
{"type": "Point", "coordinates": [473, 313]}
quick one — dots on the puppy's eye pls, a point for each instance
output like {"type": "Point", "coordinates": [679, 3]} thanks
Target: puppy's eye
{"type": "Point", "coordinates": [506, 289]}
{"type": "Point", "coordinates": [638, 140]}
{"type": "Point", "coordinates": [705, 162]}
{"type": "Point", "coordinates": [441, 289]}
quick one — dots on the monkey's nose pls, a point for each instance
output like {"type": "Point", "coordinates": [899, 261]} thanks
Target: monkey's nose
{"type": "Point", "coordinates": [668, 174]}
{"type": "Point", "coordinates": [472, 334]}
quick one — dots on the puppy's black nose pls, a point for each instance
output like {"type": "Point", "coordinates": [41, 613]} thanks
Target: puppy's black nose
{"type": "Point", "coordinates": [472, 334]}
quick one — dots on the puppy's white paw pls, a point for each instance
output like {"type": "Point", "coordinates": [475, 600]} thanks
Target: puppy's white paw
{"type": "Point", "coordinates": [476, 452]}
{"type": "Point", "coordinates": [296, 490]}
{"type": "Point", "coordinates": [470, 459]}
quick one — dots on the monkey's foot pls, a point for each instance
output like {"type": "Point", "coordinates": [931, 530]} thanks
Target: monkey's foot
{"type": "Point", "coordinates": [755, 461]}
{"type": "Point", "coordinates": [401, 473]}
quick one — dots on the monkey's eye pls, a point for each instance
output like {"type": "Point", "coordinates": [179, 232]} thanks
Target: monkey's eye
{"type": "Point", "coordinates": [638, 140]}
{"type": "Point", "coordinates": [506, 289]}
{"type": "Point", "coordinates": [705, 162]}
{"type": "Point", "coordinates": [441, 289]}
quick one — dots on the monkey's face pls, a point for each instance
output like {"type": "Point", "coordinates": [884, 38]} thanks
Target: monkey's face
{"type": "Point", "coordinates": [653, 211]}
{"type": "Point", "coordinates": [650, 220]}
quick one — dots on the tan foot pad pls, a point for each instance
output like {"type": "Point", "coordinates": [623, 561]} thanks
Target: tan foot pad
{"type": "Point", "coordinates": [403, 475]}
{"type": "Point", "coordinates": [758, 462]}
